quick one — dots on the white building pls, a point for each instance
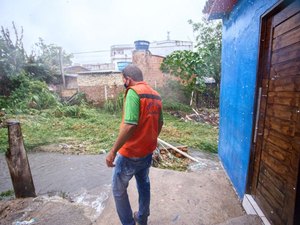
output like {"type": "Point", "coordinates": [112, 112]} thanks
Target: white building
{"type": "Point", "coordinates": [164, 48]}
{"type": "Point", "coordinates": [123, 53]}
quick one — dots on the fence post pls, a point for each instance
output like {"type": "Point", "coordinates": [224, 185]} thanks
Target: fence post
{"type": "Point", "coordinates": [17, 162]}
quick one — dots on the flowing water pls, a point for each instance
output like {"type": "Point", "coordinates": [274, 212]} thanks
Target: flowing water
{"type": "Point", "coordinates": [84, 179]}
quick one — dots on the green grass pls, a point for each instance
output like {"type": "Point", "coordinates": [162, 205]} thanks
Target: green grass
{"type": "Point", "coordinates": [6, 194]}
{"type": "Point", "coordinates": [97, 130]}
{"type": "Point", "coordinates": [195, 135]}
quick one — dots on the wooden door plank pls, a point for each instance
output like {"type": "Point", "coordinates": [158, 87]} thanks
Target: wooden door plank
{"type": "Point", "coordinates": [278, 196]}
{"type": "Point", "coordinates": [287, 39]}
{"type": "Point", "coordinates": [284, 98]}
{"type": "Point", "coordinates": [268, 209]}
{"type": "Point", "coordinates": [287, 25]}
{"type": "Point", "coordinates": [289, 68]}
{"type": "Point", "coordinates": [265, 191]}
{"type": "Point", "coordinates": [286, 13]}
{"type": "Point", "coordinates": [288, 84]}
{"type": "Point", "coordinates": [276, 152]}
{"type": "Point", "coordinates": [276, 180]}
{"type": "Point", "coordinates": [282, 112]}
{"type": "Point", "coordinates": [289, 52]}
{"type": "Point", "coordinates": [288, 158]}
{"type": "Point", "coordinates": [282, 141]}
{"type": "Point", "coordinates": [284, 127]}
{"type": "Point", "coordinates": [278, 139]}
{"type": "Point", "coordinates": [279, 168]}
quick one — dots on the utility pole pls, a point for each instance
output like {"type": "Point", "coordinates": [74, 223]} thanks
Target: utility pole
{"type": "Point", "coordinates": [61, 67]}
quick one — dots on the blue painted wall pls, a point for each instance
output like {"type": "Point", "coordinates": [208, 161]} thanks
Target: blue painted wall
{"type": "Point", "coordinates": [241, 31]}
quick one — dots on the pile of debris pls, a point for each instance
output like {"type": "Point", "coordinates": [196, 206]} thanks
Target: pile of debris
{"type": "Point", "coordinates": [203, 115]}
{"type": "Point", "coordinates": [170, 157]}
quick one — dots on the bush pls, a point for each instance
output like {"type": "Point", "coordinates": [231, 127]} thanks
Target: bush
{"type": "Point", "coordinates": [175, 106]}
{"type": "Point", "coordinates": [30, 94]}
{"type": "Point", "coordinates": [174, 91]}
{"type": "Point", "coordinates": [114, 105]}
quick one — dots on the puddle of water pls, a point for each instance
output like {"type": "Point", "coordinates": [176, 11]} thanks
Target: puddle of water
{"type": "Point", "coordinates": [82, 179]}
{"type": "Point", "coordinates": [206, 161]}
{"type": "Point", "coordinates": [92, 203]}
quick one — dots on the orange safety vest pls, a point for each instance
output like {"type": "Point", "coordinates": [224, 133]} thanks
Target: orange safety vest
{"type": "Point", "coordinates": [144, 139]}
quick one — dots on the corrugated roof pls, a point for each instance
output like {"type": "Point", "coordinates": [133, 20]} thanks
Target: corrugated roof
{"type": "Point", "coordinates": [99, 72]}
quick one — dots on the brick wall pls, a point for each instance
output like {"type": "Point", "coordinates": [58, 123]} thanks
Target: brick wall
{"type": "Point", "coordinates": [98, 87]}
{"type": "Point", "coordinates": [71, 82]}
{"type": "Point", "coordinates": [93, 78]}
{"type": "Point", "coordinates": [149, 64]}
{"type": "Point", "coordinates": [67, 93]}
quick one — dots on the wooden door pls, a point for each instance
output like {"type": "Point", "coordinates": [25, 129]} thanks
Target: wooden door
{"type": "Point", "coordinates": [277, 135]}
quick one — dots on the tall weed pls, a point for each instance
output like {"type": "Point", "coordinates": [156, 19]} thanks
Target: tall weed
{"type": "Point", "coordinates": [114, 105]}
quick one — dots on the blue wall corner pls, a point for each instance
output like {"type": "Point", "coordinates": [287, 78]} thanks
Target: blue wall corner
{"type": "Point", "coordinates": [240, 46]}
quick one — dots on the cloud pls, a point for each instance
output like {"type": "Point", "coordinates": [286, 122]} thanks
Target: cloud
{"type": "Point", "coordinates": [86, 25]}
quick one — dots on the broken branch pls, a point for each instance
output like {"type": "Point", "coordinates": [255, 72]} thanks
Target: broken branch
{"type": "Point", "coordinates": [177, 150]}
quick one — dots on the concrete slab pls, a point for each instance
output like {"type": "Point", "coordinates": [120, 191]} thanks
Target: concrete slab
{"type": "Point", "coordinates": [192, 198]}
{"type": "Point", "coordinates": [244, 220]}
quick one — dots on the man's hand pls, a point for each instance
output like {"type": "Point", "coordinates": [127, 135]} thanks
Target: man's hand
{"type": "Point", "coordinates": [110, 159]}
{"type": "Point", "coordinates": [125, 133]}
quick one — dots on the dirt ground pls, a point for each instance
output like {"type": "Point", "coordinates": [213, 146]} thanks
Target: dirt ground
{"type": "Point", "coordinates": [203, 197]}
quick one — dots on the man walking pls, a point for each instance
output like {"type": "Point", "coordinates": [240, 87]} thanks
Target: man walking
{"type": "Point", "coordinates": [141, 124]}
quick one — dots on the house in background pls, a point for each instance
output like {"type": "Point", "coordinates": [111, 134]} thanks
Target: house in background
{"type": "Point", "coordinates": [150, 66]}
{"type": "Point", "coordinates": [100, 86]}
{"type": "Point", "coordinates": [259, 136]}
{"type": "Point", "coordinates": [166, 47]}
{"type": "Point", "coordinates": [124, 53]}
{"type": "Point", "coordinates": [121, 53]}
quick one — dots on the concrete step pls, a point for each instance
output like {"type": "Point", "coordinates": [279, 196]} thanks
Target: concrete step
{"type": "Point", "coordinates": [244, 220]}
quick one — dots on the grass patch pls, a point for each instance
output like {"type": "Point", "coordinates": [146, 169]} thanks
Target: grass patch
{"type": "Point", "coordinates": [97, 130]}
{"type": "Point", "coordinates": [195, 135]}
{"type": "Point", "coordinates": [6, 194]}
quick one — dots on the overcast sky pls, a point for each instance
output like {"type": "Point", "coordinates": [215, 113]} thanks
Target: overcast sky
{"type": "Point", "coordinates": [93, 25]}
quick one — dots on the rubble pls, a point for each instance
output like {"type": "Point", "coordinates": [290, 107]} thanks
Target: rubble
{"type": "Point", "coordinates": [203, 115]}
{"type": "Point", "coordinates": [167, 158]}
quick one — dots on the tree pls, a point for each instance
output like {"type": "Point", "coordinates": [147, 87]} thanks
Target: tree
{"type": "Point", "coordinates": [12, 58]}
{"type": "Point", "coordinates": [205, 61]}
{"type": "Point", "coordinates": [183, 64]}
{"type": "Point", "coordinates": [44, 64]}
{"type": "Point", "coordinates": [209, 45]}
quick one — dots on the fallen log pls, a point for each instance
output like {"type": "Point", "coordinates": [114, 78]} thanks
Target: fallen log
{"type": "Point", "coordinates": [176, 149]}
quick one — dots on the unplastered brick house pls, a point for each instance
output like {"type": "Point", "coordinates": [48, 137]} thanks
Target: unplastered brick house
{"type": "Point", "coordinates": [150, 66]}
{"type": "Point", "coordinates": [99, 86]}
